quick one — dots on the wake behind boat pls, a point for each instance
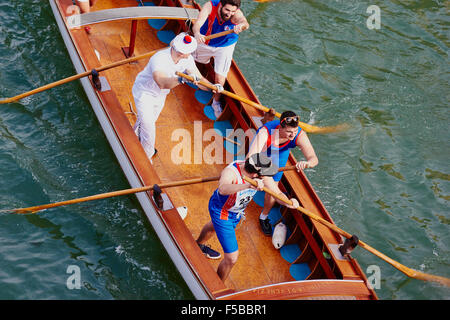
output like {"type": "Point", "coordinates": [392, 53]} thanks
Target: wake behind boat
{"type": "Point", "coordinates": [191, 145]}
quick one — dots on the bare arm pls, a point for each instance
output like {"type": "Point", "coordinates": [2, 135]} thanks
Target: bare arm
{"type": "Point", "coordinates": [269, 183]}
{"type": "Point", "coordinates": [308, 151]}
{"type": "Point", "coordinates": [163, 81]}
{"type": "Point", "coordinates": [240, 21]}
{"type": "Point", "coordinates": [258, 143]}
{"type": "Point", "coordinates": [197, 76]}
{"type": "Point", "coordinates": [168, 82]}
{"type": "Point", "coordinates": [228, 185]}
{"type": "Point", "coordinates": [202, 16]}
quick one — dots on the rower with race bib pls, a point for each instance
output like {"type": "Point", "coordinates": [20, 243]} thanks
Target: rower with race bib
{"type": "Point", "coordinates": [228, 203]}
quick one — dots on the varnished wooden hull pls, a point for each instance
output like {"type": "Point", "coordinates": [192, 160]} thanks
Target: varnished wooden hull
{"type": "Point", "coordinates": [261, 273]}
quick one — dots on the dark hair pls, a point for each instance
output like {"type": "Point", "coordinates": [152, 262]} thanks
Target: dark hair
{"type": "Point", "coordinates": [288, 114]}
{"type": "Point", "coordinates": [236, 3]}
{"type": "Point", "coordinates": [249, 167]}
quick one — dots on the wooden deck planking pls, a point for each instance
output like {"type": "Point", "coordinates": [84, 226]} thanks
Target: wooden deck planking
{"type": "Point", "coordinates": [277, 268]}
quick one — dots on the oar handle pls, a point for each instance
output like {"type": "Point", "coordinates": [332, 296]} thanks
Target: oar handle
{"type": "Point", "coordinates": [219, 34]}
{"type": "Point", "coordinates": [407, 271]}
{"type": "Point", "coordinates": [303, 125]}
{"type": "Point", "coordinates": [301, 209]}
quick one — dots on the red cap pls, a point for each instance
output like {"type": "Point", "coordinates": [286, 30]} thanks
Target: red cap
{"type": "Point", "coordinates": [187, 39]}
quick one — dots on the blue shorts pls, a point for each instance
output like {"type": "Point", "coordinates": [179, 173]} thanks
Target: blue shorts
{"type": "Point", "coordinates": [225, 228]}
{"type": "Point", "coordinates": [280, 160]}
{"type": "Point", "coordinates": [279, 175]}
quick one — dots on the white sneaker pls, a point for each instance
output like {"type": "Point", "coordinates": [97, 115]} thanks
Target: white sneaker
{"type": "Point", "coordinates": [217, 108]}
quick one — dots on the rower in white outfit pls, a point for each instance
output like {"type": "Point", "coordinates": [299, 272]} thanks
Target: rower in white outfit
{"type": "Point", "coordinates": [153, 84]}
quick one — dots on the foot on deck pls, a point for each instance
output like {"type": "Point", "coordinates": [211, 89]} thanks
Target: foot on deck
{"type": "Point", "coordinates": [266, 227]}
{"type": "Point", "coordinates": [210, 253]}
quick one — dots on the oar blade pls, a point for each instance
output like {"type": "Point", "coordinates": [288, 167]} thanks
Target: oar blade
{"type": "Point", "coordinates": [20, 211]}
{"type": "Point", "coordinates": [322, 130]}
{"type": "Point", "coordinates": [430, 277]}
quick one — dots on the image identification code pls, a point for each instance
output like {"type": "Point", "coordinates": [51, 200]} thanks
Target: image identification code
{"type": "Point", "coordinates": [229, 309]}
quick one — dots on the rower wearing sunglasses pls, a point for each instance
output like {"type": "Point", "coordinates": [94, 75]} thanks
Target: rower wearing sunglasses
{"type": "Point", "coordinates": [276, 138]}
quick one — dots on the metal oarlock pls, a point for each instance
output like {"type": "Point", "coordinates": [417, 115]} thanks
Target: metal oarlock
{"type": "Point", "coordinates": [348, 246]}
{"type": "Point", "coordinates": [157, 196]}
{"type": "Point", "coordinates": [96, 80]}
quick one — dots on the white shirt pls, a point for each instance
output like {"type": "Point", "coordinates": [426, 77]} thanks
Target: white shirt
{"type": "Point", "coordinates": [161, 61]}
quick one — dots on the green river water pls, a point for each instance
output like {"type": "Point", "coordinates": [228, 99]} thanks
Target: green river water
{"type": "Point", "coordinates": [387, 179]}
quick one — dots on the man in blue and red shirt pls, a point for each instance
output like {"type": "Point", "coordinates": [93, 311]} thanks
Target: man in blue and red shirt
{"type": "Point", "coordinates": [276, 138]}
{"type": "Point", "coordinates": [217, 16]}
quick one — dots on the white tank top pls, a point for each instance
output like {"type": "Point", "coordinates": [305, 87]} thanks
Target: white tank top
{"type": "Point", "coordinates": [236, 202]}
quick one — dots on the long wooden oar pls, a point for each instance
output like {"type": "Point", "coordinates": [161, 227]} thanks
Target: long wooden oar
{"type": "Point", "coordinates": [408, 271]}
{"type": "Point", "coordinates": [77, 76]}
{"type": "Point", "coordinates": [110, 195]}
{"type": "Point", "coordinates": [305, 126]}
{"type": "Point", "coordinates": [35, 209]}
{"type": "Point", "coordinates": [99, 69]}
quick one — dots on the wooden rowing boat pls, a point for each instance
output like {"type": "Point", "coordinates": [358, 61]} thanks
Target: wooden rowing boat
{"type": "Point", "coordinates": [308, 266]}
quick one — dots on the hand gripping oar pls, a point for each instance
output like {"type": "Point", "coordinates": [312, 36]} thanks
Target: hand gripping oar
{"type": "Point", "coordinates": [99, 69]}
{"type": "Point", "coordinates": [305, 126]}
{"type": "Point", "coordinates": [408, 271]}
{"type": "Point", "coordinates": [35, 209]}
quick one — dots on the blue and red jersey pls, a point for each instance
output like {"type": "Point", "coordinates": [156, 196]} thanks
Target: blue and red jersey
{"type": "Point", "coordinates": [212, 26]}
{"type": "Point", "coordinates": [235, 203]}
{"type": "Point", "coordinates": [278, 154]}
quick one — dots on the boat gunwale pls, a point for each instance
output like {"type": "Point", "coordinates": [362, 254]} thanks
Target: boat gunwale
{"type": "Point", "coordinates": [295, 289]}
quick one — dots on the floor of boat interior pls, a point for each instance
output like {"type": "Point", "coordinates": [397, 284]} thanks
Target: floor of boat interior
{"type": "Point", "coordinates": [259, 262]}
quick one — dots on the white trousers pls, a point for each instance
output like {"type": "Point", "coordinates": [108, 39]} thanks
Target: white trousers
{"type": "Point", "coordinates": [222, 57]}
{"type": "Point", "coordinates": [148, 110]}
